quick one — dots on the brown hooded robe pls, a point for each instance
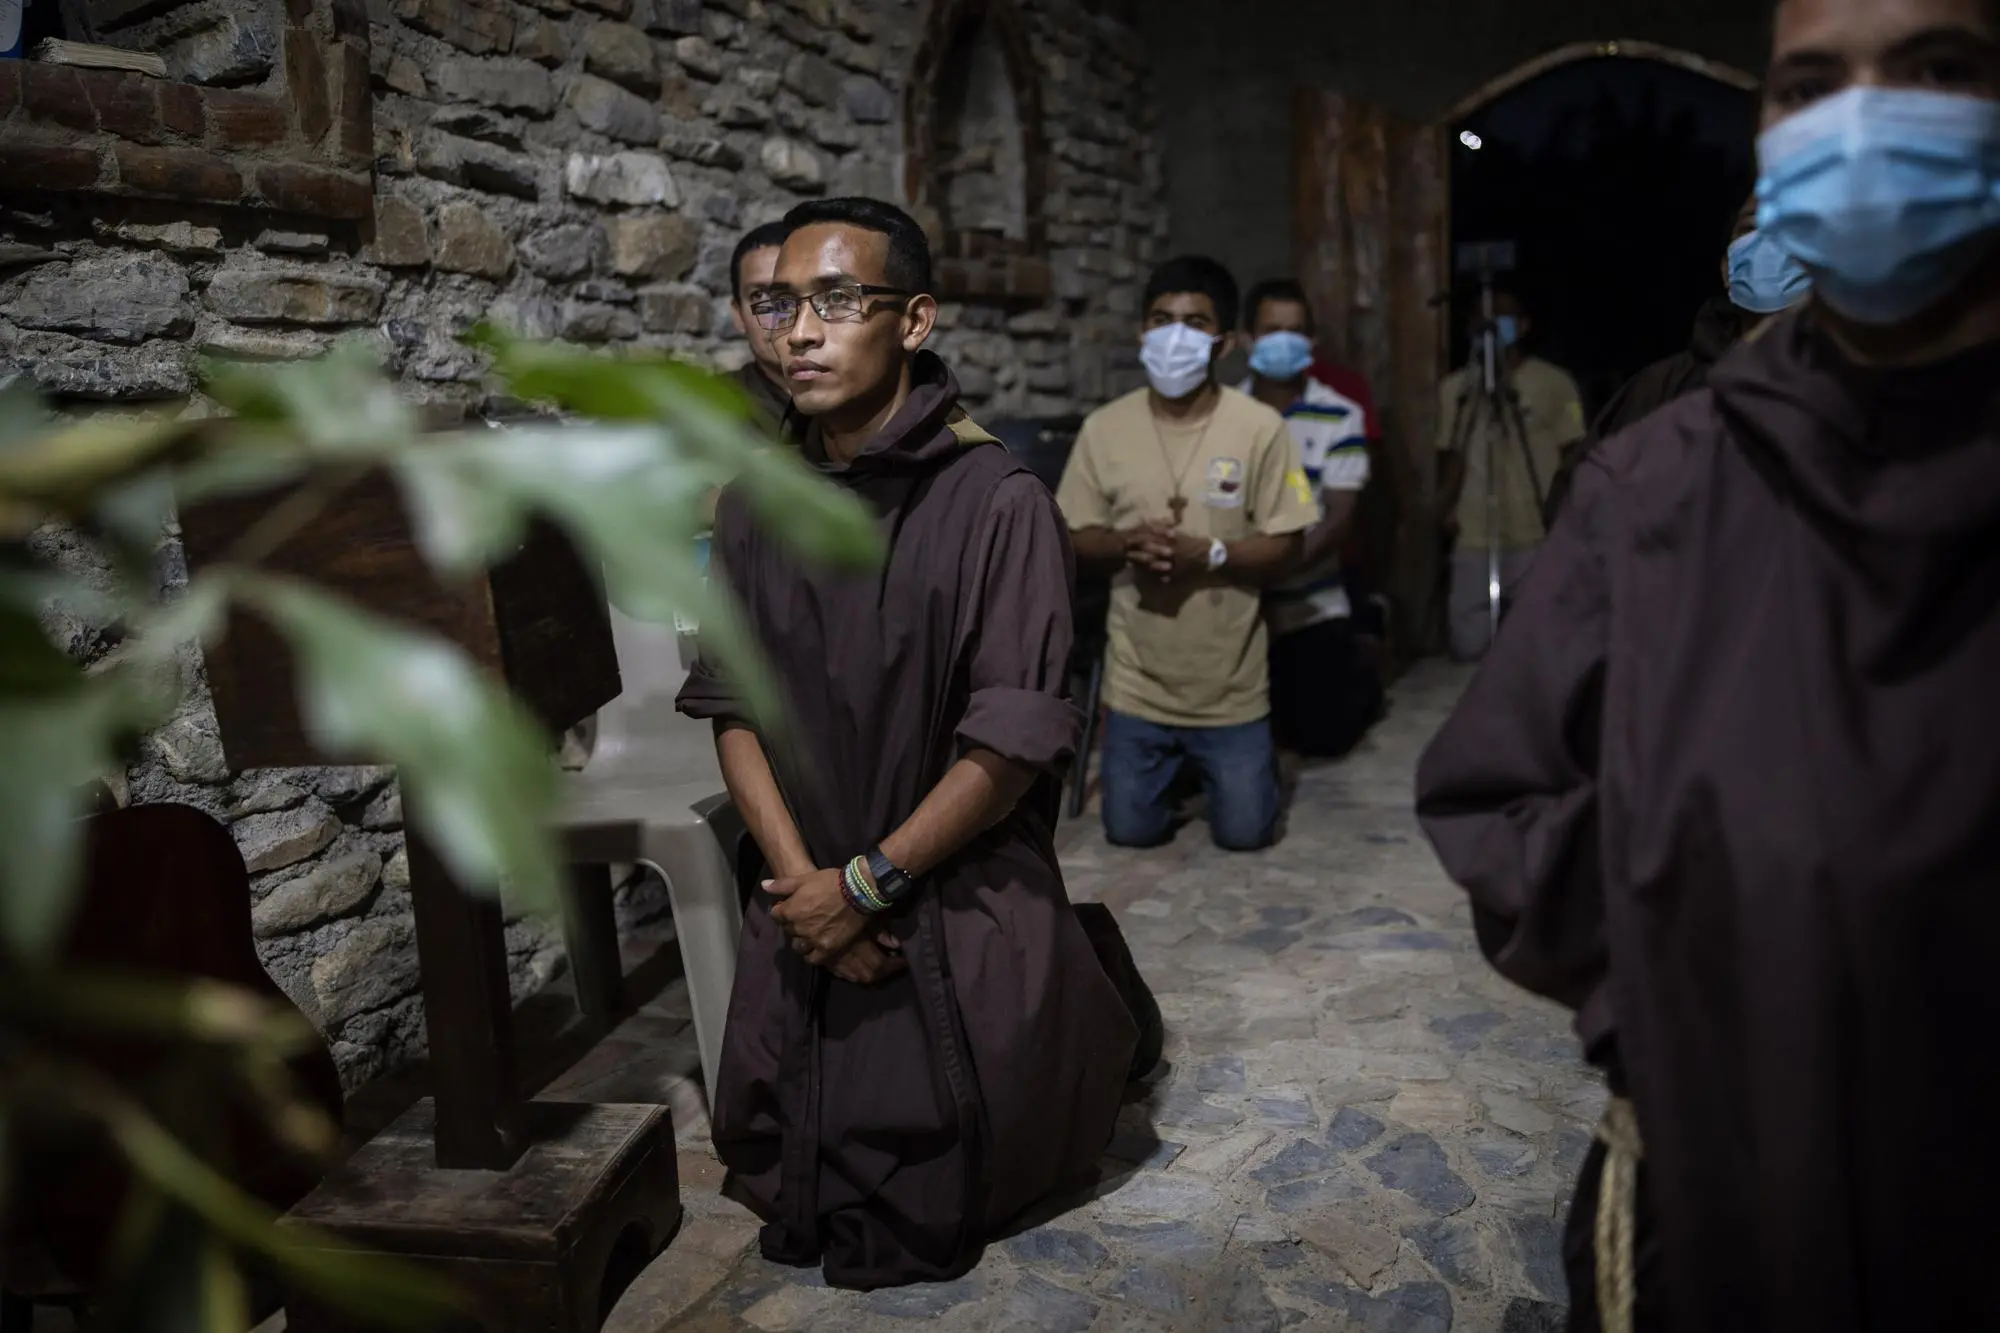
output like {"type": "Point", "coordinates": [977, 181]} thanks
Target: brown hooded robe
{"type": "Point", "coordinates": [1729, 786]}
{"type": "Point", "coordinates": [889, 1130]}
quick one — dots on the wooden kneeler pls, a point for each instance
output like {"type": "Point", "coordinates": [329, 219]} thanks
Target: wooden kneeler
{"type": "Point", "coordinates": [546, 1244]}
{"type": "Point", "coordinates": [539, 1211]}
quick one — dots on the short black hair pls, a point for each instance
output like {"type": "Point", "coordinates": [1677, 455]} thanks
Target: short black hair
{"type": "Point", "coordinates": [1275, 289]}
{"type": "Point", "coordinates": [1196, 273]}
{"type": "Point", "coordinates": [909, 265]}
{"type": "Point", "coordinates": [766, 237]}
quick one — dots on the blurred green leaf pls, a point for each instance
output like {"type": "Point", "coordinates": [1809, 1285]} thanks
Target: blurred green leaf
{"type": "Point", "coordinates": [633, 498]}
{"type": "Point", "coordinates": [53, 743]}
{"type": "Point", "coordinates": [340, 405]}
{"type": "Point", "coordinates": [247, 468]}
{"type": "Point", "coordinates": [23, 415]}
{"type": "Point", "coordinates": [472, 493]}
{"type": "Point", "coordinates": [193, 614]}
{"type": "Point", "coordinates": [368, 1284]}
{"type": "Point", "coordinates": [31, 589]}
{"type": "Point", "coordinates": [475, 767]}
{"type": "Point", "coordinates": [155, 1262]}
{"type": "Point", "coordinates": [64, 470]}
{"type": "Point", "coordinates": [29, 664]}
{"type": "Point", "coordinates": [135, 511]}
{"type": "Point", "coordinates": [629, 501]}
{"type": "Point", "coordinates": [129, 1005]}
{"type": "Point", "coordinates": [225, 1298]}
{"type": "Point", "coordinates": [703, 418]}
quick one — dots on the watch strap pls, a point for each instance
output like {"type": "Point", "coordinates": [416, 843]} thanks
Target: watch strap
{"type": "Point", "coordinates": [890, 882]}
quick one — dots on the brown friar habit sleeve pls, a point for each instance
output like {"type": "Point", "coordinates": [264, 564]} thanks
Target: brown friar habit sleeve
{"type": "Point", "coordinates": [1728, 783]}
{"type": "Point", "coordinates": [889, 1130]}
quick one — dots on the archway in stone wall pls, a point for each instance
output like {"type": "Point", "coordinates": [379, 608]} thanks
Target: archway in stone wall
{"type": "Point", "coordinates": [1617, 177]}
{"type": "Point", "coordinates": [977, 157]}
{"type": "Point", "coordinates": [1374, 205]}
{"type": "Point", "coordinates": [1528, 70]}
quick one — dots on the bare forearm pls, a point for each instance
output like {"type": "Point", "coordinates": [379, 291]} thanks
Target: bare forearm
{"type": "Point", "coordinates": [753, 787]}
{"type": "Point", "coordinates": [1328, 535]}
{"type": "Point", "coordinates": [1098, 550]}
{"type": "Point", "coordinates": [975, 793]}
{"type": "Point", "coordinates": [1260, 560]}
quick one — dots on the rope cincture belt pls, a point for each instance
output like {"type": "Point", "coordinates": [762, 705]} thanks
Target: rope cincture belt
{"type": "Point", "coordinates": [1617, 1216]}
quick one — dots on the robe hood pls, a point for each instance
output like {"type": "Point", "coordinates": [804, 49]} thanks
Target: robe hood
{"type": "Point", "coordinates": [930, 427]}
{"type": "Point", "coordinates": [1902, 455]}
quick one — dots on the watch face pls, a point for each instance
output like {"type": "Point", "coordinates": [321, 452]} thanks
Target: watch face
{"type": "Point", "coordinates": [888, 878]}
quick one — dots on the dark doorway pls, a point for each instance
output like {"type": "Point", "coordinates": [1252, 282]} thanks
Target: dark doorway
{"type": "Point", "coordinates": [1617, 180]}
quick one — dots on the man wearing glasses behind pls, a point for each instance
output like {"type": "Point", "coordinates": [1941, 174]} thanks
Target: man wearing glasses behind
{"type": "Point", "coordinates": [762, 377]}
{"type": "Point", "coordinates": [915, 928]}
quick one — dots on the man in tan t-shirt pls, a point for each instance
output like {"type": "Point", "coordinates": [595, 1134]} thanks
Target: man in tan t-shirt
{"type": "Point", "coordinates": [1469, 433]}
{"type": "Point", "coordinates": [1192, 496]}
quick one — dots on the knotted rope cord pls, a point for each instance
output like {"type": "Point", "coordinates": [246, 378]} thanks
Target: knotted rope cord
{"type": "Point", "coordinates": [1617, 1216]}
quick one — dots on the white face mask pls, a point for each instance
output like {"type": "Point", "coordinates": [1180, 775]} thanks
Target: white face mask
{"type": "Point", "coordinates": [1176, 359]}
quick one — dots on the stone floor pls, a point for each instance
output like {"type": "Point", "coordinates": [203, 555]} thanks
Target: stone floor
{"type": "Point", "coordinates": [1361, 1127]}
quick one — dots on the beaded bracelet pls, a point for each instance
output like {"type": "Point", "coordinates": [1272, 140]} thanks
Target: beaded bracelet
{"type": "Point", "coordinates": [860, 894]}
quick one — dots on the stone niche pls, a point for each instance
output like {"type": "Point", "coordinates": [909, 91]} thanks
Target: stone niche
{"type": "Point", "coordinates": [266, 105]}
{"type": "Point", "coordinates": [978, 160]}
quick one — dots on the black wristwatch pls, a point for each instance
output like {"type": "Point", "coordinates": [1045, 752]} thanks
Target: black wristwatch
{"type": "Point", "coordinates": [890, 882]}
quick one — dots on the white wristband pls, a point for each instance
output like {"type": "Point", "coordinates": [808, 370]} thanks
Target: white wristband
{"type": "Point", "coordinates": [1218, 553]}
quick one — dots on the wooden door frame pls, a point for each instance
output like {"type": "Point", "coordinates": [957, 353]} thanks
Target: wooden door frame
{"type": "Point", "coordinates": [1414, 465]}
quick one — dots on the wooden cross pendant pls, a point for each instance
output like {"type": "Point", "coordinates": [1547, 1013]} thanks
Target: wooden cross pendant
{"type": "Point", "coordinates": [1179, 505]}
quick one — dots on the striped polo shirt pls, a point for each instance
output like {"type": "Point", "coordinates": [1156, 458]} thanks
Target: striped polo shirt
{"type": "Point", "coordinates": [1332, 430]}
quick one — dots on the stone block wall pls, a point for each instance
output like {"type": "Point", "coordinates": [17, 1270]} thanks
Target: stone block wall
{"type": "Point", "coordinates": [573, 168]}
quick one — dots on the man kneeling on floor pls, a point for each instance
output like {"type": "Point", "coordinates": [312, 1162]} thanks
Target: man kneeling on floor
{"type": "Point", "coordinates": [925, 1039]}
{"type": "Point", "coordinates": [1191, 497]}
{"type": "Point", "coordinates": [1326, 691]}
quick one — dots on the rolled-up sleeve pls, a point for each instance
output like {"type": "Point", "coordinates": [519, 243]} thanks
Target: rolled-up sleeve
{"type": "Point", "coordinates": [1019, 631]}
{"type": "Point", "coordinates": [1507, 791]}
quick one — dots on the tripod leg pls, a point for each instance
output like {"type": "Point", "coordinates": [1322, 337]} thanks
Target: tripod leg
{"type": "Point", "coordinates": [1492, 538]}
{"type": "Point", "coordinates": [1518, 427]}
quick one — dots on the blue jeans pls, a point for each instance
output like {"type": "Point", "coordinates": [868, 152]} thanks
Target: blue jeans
{"type": "Point", "coordinates": [1239, 774]}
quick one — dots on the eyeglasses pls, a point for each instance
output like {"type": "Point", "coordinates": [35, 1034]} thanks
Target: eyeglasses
{"type": "Point", "coordinates": [836, 305]}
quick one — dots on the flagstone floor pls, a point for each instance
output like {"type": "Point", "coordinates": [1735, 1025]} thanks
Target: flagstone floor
{"type": "Point", "coordinates": [1360, 1126]}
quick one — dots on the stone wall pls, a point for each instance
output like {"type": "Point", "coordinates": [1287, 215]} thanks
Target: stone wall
{"type": "Point", "coordinates": [574, 168]}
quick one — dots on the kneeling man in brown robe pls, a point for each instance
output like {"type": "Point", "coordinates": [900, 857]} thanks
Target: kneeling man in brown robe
{"type": "Point", "coordinates": [922, 1042]}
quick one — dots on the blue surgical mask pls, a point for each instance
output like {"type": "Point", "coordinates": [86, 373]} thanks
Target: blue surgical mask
{"type": "Point", "coordinates": [1281, 356]}
{"type": "Point", "coordinates": [1176, 359]}
{"type": "Point", "coordinates": [1509, 329]}
{"type": "Point", "coordinates": [1887, 196]}
{"type": "Point", "coordinates": [1763, 279]}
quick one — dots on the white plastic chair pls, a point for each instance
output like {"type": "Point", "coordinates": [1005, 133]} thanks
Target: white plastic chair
{"type": "Point", "coordinates": [651, 794]}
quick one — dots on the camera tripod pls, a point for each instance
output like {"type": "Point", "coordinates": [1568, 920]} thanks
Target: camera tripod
{"type": "Point", "coordinates": [1487, 398]}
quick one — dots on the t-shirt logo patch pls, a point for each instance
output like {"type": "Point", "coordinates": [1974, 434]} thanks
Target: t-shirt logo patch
{"type": "Point", "coordinates": [1300, 484]}
{"type": "Point", "coordinates": [1225, 483]}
